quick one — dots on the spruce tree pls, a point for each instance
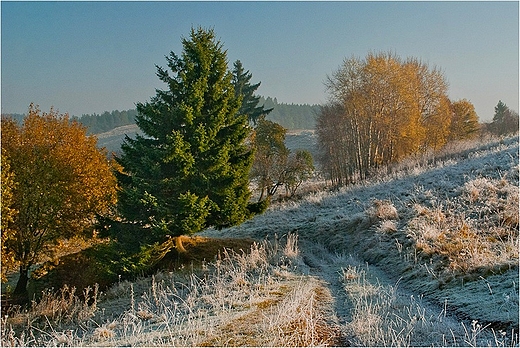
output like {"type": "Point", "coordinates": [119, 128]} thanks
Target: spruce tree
{"type": "Point", "coordinates": [190, 168]}
{"type": "Point", "coordinates": [500, 111]}
{"type": "Point", "coordinates": [245, 90]}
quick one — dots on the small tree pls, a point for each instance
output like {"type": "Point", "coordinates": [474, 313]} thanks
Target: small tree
{"type": "Point", "coordinates": [505, 120]}
{"type": "Point", "coordinates": [300, 167]}
{"type": "Point", "coordinates": [274, 165]}
{"type": "Point", "coordinates": [464, 122]}
{"type": "Point", "coordinates": [269, 166]}
{"type": "Point", "coordinates": [245, 90]}
{"type": "Point", "coordinates": [500, 112]}
{"type": "Point", "coordinates": [190, 170]}
{"type": "Point", "coordinates": [61, 182]}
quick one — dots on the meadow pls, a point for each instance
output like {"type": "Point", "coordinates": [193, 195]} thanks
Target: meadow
{"type": "Point", "coordinates": [424, 254]}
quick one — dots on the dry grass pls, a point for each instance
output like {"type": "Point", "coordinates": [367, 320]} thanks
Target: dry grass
{"type": "Point", "coordinates": [383, 316]}
{"type": "Point", "coordinates": [250, 298]}
{"type": "Point", "coordinates": [382, 210]}
{"type": "Point", "coordinates": [294, 317]}
{"type": "Point", "coordinates": [484, 237]}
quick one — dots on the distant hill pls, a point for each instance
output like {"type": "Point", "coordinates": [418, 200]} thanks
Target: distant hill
{"type": "Point", "coordinates": [294, 140]}
{"type": "Point", "coordinates": [290, 116]}
{"type": "Point", "coordinates": [113, 139]}
{"type": "Point", "coordinates": [303, 140]}
{"type": "Point", "coordinates": [96, 123]}
{"type": "Point", "coordinates": [111, 127]}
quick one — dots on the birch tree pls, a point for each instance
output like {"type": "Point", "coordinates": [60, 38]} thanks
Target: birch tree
{"type": "Point", "coordinates": [381, 109]}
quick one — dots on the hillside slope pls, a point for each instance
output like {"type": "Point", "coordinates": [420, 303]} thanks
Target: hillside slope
{"type": "Point", "coordinates": [295, 140]}
{"type": "Point", "coordinates": [446, 232]}
{"type": "Point", "coordinates": [113, 139]}
{"type": "Point", "coordinates": [424, 256]}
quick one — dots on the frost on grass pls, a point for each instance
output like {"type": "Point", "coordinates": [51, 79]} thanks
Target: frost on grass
{"type": "Point", "coordinates": [381, 315]}
{"type": "Point", "coordinates": [382, 210]}
{"type": "Point", "coordinates": [251, 298]}
{"type": "Point", "coordinates": [475, 230]}
{"type": "Point", "coordinates": [445, 228]}
{"type": "Point", "coordinates": [442, 228]}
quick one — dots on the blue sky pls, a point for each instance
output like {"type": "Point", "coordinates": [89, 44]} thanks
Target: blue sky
{"type": "Point", "coordinates": [86, 57]}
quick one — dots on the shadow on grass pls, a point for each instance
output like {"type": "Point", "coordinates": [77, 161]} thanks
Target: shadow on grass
{"type": "Point", "coordinates": [129, 252]}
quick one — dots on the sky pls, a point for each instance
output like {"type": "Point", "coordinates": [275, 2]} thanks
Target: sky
{"type": "Point", "coordinates": [91, 57]}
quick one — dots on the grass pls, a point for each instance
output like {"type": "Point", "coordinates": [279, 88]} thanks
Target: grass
{"type": "Point", "coordinates": [87, 265]}
{"type": "Point", "coordinates": [249, 298]}
{"type": "Point", "coordinates": [450, 235]}
{"type": "Point", "coordinates": [424, 256]}
{"type": "Point", "coordinates": [383, 316]}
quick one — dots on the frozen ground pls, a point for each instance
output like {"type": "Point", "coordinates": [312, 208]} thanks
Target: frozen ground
{"type": "Point", "coordinates": [424, 256]}
{"type": "Point", "coordinates": [469, 202]}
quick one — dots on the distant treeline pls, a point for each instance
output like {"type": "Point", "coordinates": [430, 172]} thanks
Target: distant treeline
{"type": "Point", "coordinates": [96, 123]}
{"type": "Point", "coordinates": [290, 116]}
{"type": "Point", "coordinates": [16, 117]}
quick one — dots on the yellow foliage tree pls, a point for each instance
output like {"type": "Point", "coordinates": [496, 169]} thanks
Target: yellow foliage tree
{"type": "Point", "coordinates": [464, 123]}
{"type": "Point", "coordinates": [7, 213]}
{"type": "Point", "coordinates": [382, 109]}
{"type": "Point", "coordinates": [61, 183]}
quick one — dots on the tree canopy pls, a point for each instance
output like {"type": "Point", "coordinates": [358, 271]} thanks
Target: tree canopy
{"type": "Point", "coordinates": [190, 168]}
{"type": "Point", "coordinates": [464, 123]}
{"type": "Point", "coordinates": [59, 182]}
{"type": "Point", "coordinates": [382, 109]}
{"type": "Point", "coordinates": [270, 156]}
{"type": "Point", "coordinates": [274, 164]}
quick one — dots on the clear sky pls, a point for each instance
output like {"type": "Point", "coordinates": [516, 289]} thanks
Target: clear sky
{"type": "Point", "coordinates": [90, 57]}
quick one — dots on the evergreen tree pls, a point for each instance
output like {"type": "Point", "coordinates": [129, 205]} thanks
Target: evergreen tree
{"type": "Point", "coordinates": [500, 111]}
{"type": "Point", "coordinates": [244, 89]}
{"type": "Point", "coordinates": [505, 120]}
{"type": "Point", "coordinates": [190, 169]}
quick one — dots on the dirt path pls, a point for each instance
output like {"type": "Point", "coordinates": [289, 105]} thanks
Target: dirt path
{"type": "Point", "coordinates": [324, 265]}
{"type": "Point", "coordinates": [375, 310]}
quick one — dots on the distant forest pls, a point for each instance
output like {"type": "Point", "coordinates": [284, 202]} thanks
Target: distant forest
{"type": "Point", "coordinates": [290, 116]}
{"type": "Point", "coordinates": [96, 123]}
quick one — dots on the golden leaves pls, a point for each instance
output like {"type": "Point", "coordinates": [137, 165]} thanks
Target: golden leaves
{"type": "Point", "coordinates": [62, 179]}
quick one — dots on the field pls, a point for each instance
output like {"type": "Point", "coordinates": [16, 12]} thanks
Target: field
{"type": "Point", "coordinates": [425, 255]}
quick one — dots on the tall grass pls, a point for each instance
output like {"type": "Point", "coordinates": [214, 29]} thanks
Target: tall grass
{"type": "Point", "coordinates": [383, 316]}
{"type": "Point", "coordinates": [252, 298]}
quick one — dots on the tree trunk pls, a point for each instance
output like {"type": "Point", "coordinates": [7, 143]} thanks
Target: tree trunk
{"type": "Point", "coordinates": [261, 195]}
{"type": "Point", "coordinates": [20, 292]}
{"type": "Point", "coordinates": [178, 245]}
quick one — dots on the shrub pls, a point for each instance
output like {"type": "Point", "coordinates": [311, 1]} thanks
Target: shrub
{"type": "Point", "coordinates": [382, 210]}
